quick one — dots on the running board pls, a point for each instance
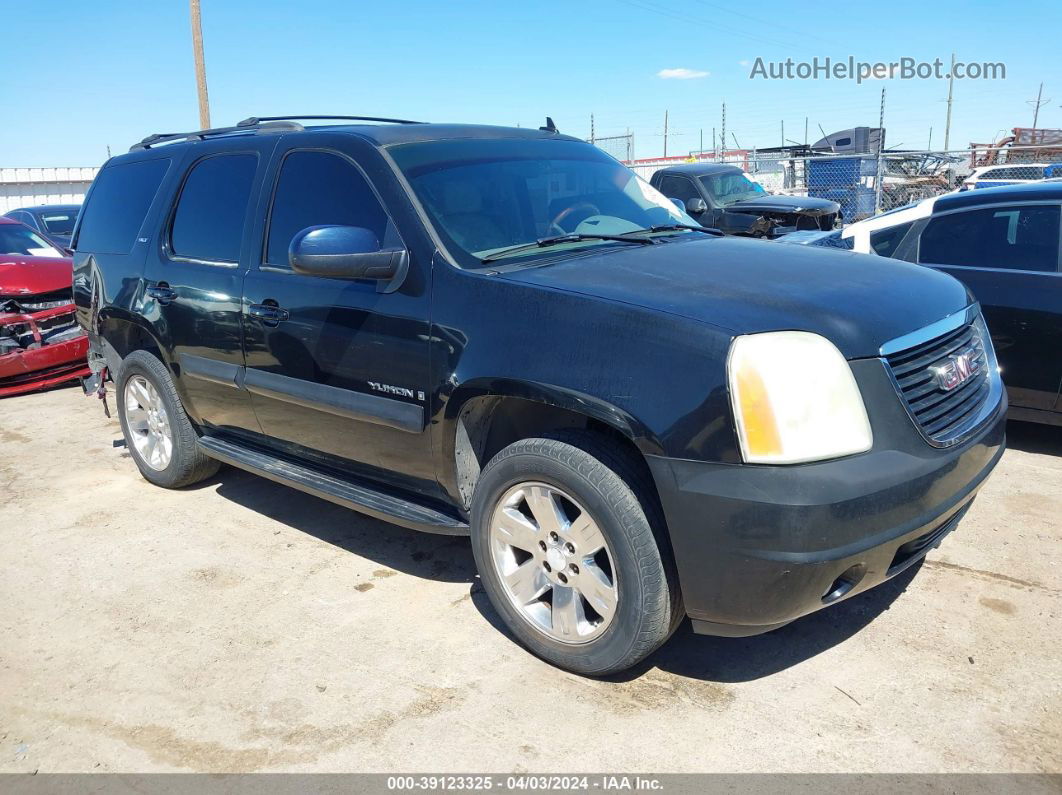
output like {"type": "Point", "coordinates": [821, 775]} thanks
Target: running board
{"type": "Point", "coordinates": [357, 496]}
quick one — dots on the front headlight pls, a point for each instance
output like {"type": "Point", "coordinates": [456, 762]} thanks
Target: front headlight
{"type": "Point", "coordinates": [795, 399]}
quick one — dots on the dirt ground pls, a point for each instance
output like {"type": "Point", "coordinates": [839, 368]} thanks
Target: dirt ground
{"type": "Point", "coordinates": [243, 626]}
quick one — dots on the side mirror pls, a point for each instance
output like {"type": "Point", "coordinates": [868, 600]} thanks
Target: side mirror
{"type": "Point", "coordinates": [346, 252]}
{"type": "Point", "coordinates": [696, 206]}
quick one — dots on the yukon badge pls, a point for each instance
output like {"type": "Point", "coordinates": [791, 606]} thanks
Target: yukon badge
{"type": "Point", "coordinates": [957, 370]}
{"type": "Point", "coordinates": [401, 391]}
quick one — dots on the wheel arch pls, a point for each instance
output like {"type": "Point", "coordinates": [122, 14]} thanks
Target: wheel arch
{"type": "Point", "coordinates": [481, 418]}
{"type": "Point", "coordinates": [121, 333]}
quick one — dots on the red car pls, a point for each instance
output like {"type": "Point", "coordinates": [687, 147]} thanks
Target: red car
{"type": "Point", "coordinates": [40, 343]}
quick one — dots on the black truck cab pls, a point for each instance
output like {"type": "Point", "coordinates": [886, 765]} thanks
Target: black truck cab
{"type": "Point", "coordinates": [504, 333]}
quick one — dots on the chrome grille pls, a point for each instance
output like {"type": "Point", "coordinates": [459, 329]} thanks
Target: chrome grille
{"type": "Point", "coordinates": [946, 380]}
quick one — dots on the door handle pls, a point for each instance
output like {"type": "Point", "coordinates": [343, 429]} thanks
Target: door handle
{"type": "Point", "coordinates": [162, 293]}
{"type": "Point", "coordinates": [269, 314]}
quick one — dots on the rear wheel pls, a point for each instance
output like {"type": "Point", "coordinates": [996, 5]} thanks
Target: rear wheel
{"type": "Point", "coordinates": [563, 534]}
{"type": "Point", "coordinates": [157, 431]}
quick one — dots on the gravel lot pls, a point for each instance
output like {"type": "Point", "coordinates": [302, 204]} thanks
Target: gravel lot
{"type": "Point", "coordinates": [243, 626]}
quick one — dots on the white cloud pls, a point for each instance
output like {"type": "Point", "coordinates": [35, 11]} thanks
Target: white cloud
{"type": "Point", "coordinates": [744, 63]}
{"type": "Point", "coordinates": [680, 74]}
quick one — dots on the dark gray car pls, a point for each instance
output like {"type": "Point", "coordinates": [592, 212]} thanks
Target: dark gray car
{"type": "Point", "coordinates": [53, 221]}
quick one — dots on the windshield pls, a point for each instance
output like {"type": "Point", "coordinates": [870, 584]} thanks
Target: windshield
{"type": "Point", "coordinates": [59, 222]}
{"type": "Point", "coordinates": [729, 188]}
{"type": "Point", "coordinates": [485, 196]}
{"type": "Point", "coordinates": [21, 240]}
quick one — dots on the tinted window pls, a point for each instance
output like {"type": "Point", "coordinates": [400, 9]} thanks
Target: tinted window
{"type": "Point", "coordinates": [59, 222]}
{"type": "Point", "coordinates": [1022, 238]}
{"type": "Point", "coordinates": [18, 239]}
{"type": "Point", "coordinates": [118, 202]}
{"type": "Point", "coordinates": [885, 241]}
{"type": "Point", "coordinates": [678, 188]}
{"type": "Point", "coordinates": [318, 188]}
{"type": "Point", "coordinates": [208, 224]}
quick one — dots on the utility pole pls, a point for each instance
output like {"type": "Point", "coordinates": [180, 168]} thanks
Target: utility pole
{"type": "Point", "coordinates": [715, 146]}
{"type": "Point", "coordinates": [805, 131]}
{"type": "Point", "coordinates": [929, 146]}
{"type": "Point", "coordinates": [665, 133]}
{"type": "Point", "coordinates": [1037, 103]}
{"type": "Point", "coordinates": [722, 137]}
{"type": "Point", "coordinates": [701, 148]}
{"type": "Point", "coordinates": [591, 128]}
{"type": "Point", "coordinates": [783, 133]}
{"type": "Point", "coordinates": [951, 85]}
{"type": "Point", "coordinates": [881, 151]}
{"type": "Point", "coordinates": [200, 67]}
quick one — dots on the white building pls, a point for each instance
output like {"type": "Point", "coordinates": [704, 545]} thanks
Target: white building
{"type": "Point", "coordinates": [26, 187]}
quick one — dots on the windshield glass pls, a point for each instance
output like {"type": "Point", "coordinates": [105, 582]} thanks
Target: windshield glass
{"type": "Point", "coordinates": [729, 188]}
{"type": "Point", "coordinates": [484, 196]}
{"type": "Point", "coordinates": [59, 222]}
{"type": "Point", "coordinates": [19, 239]}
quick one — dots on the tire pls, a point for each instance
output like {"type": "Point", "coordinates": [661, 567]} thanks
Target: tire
{"type": "Point", "coordinates": [583, 473]}
{"type": "Point", "coordinates": [185, 464]}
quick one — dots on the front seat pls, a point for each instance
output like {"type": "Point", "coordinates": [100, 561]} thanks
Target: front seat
{"type": "Point", "coordinates": [466, 221]}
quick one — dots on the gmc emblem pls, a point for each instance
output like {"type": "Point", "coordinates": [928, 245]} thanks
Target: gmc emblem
{"type": "Point", "coordinates": [956, 371]}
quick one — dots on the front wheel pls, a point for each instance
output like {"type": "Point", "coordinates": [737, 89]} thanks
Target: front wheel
{"type": "Point", "coordinates": [563, 535]}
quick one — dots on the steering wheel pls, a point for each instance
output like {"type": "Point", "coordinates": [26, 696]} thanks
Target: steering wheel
{"type": "Point", "coordinates": [556, 222]}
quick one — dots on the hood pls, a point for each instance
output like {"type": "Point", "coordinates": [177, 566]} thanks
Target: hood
{"type": "Point", "coordinates": [22, 275]}
{"type": "Point", "coordinates": [805, 205]}
{"type": "Point", "coordinates": [858, 301]}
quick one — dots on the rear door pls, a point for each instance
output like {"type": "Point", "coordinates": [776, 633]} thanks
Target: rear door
{"type": "Point", "coordinates": [337, 368]}
{"type": "Point", "coordinates": [1008, 255]}
{"type": "Point", "coordinates": [194, 278]}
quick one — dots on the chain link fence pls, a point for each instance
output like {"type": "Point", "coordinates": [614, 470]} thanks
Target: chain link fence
{"type": "Point", "coordinates": [852, 180]}
{"type": "Point", "coordinates": [620, 147]}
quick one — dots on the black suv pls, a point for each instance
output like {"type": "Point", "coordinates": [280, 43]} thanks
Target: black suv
{"type": "Point", "coordinates": [505, 333]}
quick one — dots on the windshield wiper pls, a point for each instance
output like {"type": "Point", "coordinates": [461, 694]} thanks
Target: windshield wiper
{"type": "Point", "coordinates": [674, 228]}
{"type": "Point", "coordinates": [558, 240]}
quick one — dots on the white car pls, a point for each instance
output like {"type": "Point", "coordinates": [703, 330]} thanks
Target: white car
{"type": "Point", "coordinates": [1012, 174]}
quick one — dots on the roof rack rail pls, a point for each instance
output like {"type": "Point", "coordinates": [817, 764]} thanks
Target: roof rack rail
{"type": "Point", "coordinates": [254, 120]}
{"type": "Point", "coordinates": [267, 125]}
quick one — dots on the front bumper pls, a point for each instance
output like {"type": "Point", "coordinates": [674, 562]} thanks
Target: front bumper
{"type": "Point", "coordinates": [49, 363]}
{"type": "Point", "coordinates": [759, 546]}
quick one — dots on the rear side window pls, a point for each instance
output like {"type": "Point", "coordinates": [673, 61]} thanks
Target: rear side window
{"type": "Point", "coordinates": [319, 188]}
{"type": "Point", "coordinates": [212, 208]}
{"type": "Point", "coordinates": [885, 241]}
{"type": "Point", "coordinates": [1014, 238]}
{"type": "Point", "coordinates": [118, 203]}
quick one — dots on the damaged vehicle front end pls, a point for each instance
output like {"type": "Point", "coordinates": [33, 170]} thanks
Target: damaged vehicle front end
{"type": "Point", "coordinates": [725, 198]}
{"type": "Point", "coordinates": [41, 344]}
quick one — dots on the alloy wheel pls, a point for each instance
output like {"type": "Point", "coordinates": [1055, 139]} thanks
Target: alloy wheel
{"type": "Point", "coordinates": [554, 562]}
{"type": "Point", "coordinates": [148, 423]}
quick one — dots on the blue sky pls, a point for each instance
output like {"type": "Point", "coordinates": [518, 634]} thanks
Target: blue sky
{"type": "Point", "coordinates": [80, 77]}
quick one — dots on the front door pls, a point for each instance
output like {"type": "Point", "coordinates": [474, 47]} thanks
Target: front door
{"type": "Point", "coordinates": [337, 369]}
{"type": "Point", "coordinates": [1008, 255]}
{"type": "Point", "coordinates": [194, 279]}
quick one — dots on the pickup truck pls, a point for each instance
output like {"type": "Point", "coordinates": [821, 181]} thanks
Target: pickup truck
{"type": "Point", "coordinates": [724, 197]}
{"type": "Point", "coordinates": [506, 334]}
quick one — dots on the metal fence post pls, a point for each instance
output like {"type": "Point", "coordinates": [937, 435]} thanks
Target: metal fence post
{"type": "Point", "coordinates": [881, 155]}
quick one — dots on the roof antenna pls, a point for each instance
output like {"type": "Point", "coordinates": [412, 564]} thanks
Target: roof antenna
{"type": "Point", "coordinates": [550, 126]}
